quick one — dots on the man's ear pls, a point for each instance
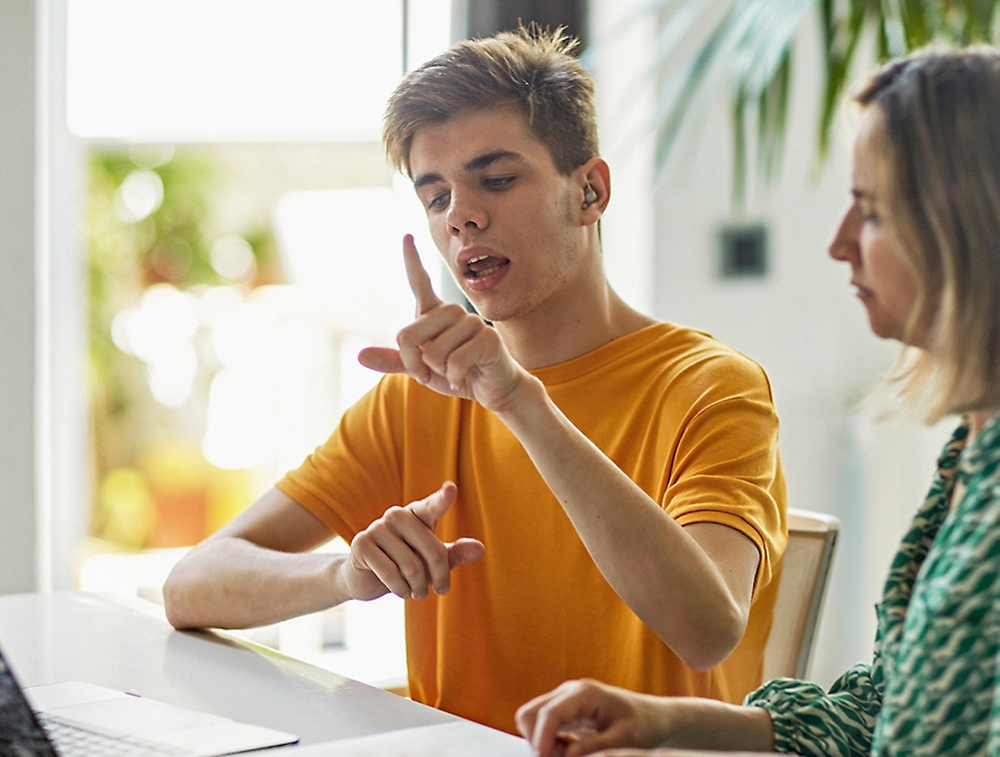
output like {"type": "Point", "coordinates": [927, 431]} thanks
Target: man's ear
{"type": "Point", "coordinates": [594, 178]}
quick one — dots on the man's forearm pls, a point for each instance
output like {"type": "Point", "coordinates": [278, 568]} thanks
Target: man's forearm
{"type": "Point", "coordinates": [229, 582]}
{"type": "Point", "coordinates": [650, 561]}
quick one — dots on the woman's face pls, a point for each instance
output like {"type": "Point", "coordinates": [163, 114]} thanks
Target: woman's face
{"type": "Point", "coordinates": [870, 243]}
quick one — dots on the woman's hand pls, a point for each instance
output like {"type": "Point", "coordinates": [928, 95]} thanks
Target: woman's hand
{"type": "Point", "coordinates": [582, 717]}
{"type": "Point", "coordinates": [585, 717]}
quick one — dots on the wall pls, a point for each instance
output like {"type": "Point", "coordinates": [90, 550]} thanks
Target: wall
{"type": "Point", "coordinates": [17, 295]}
{"type": "Point", "coordinates": [619, 62]}
{"type": "Point", "coordinates": [65, 493]}
{"type": "Point", "coordinates": [43, 410]}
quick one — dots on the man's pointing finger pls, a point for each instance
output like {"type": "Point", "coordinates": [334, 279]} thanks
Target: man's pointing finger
{"type": "Point", "coordinates": [420, 282]}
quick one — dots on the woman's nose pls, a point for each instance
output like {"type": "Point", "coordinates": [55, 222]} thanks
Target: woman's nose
{"type": "Point", "coordinates": [845, 244]}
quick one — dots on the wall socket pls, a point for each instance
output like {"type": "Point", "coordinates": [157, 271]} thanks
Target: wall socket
{"type": "Point", "coordinates": [743, 251]}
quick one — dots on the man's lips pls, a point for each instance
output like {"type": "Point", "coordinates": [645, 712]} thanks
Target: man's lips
{"type": "Point", "coordinates": [481, 266]}
{"type": "Point", "coordinates": [479, 261]}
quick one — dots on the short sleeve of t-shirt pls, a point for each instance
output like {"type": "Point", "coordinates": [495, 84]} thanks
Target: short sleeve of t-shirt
{"type": "Point", "coordinates": [355, 476]}
{"type": "Point", "coordinates": [727, 466]}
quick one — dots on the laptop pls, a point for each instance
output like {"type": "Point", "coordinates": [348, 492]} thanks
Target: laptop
{"type": "Point", "coordinates": [76, 718]}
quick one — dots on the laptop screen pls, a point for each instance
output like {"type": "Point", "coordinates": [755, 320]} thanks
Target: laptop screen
{"type": "Point", "coordinates": [20, 733]}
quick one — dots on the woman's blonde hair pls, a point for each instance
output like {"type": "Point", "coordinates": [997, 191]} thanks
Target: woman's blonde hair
{"type": "Point", "coordinates": [941, 121]}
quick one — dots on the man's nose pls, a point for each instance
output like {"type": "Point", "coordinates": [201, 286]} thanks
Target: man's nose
{"type": "Point", "coordinates": [846, 241]}
{"type": "Point", "coordinates": [465, 213]}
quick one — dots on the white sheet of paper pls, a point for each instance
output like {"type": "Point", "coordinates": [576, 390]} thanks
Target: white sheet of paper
{"type": "Point", "coordinates": [459, 739]}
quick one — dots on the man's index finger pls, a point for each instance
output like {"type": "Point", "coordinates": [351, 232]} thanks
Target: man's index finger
{"type": "Point", "coordinates": [420, 282]}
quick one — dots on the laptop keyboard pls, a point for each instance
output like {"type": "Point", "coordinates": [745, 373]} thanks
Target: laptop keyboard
{"type": "Point", "coordinates": [71, 740]}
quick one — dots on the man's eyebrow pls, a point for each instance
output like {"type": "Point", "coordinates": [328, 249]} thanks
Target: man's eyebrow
{"type": "Point", "coordinates": [491, 157]}
{"type": "Point", "coordinates": [860, 194]}
{"type": "Point", "coordinates": [476, 164]}
{"type": "Point", "coordinates": [427, 178]}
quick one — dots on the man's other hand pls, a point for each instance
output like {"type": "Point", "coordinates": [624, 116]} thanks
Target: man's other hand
{"type": "Point", "coordinates": [400, 552]}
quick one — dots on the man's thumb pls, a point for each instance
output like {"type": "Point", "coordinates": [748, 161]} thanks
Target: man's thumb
{"type": "Point", "coordinates": [464, 551]}
{"type": "Point", "coordinates": [381, 359]}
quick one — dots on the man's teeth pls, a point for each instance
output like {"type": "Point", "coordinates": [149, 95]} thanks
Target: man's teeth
{"type": "Point", "coordinates": [487, 272]}
{"type": "Point", "coordinates": [478, 274]}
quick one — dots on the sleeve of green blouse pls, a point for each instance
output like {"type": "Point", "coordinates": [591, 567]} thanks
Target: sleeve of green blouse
{"type": "Point", "coordinates": [994, 738]}
{"type": "Point", "coordinates": [816, 723]}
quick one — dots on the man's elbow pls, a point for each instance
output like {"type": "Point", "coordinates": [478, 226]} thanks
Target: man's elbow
{"type": "Point", "coordinates": [707, 657]}
{"type": "Point", "coordinates": [178, 620]}
{"type": "Point", "coordinates": [173, 607]}
{"type": "Point", "coordinates": [711, 645]}
{"type": "Point", "coordinates": [177, 604]}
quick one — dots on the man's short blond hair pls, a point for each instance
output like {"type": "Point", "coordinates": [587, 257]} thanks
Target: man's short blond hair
{"type": "Point", "coordinates": [529, 70]}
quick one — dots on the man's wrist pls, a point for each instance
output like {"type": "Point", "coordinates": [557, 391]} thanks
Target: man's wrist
{"type": "Point", "coordinates": [523, 403]}
{"type": "Point", "coordinates": [336, 579]}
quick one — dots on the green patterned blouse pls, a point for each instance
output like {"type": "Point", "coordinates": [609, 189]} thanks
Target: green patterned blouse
{"type": "Point", "coordinates": [933, 687]}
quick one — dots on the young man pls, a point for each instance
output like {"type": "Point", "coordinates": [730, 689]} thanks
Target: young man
{"type": "Point", "coordinates": [591, 493]}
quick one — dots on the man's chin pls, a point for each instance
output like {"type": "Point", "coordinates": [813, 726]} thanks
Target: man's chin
{"type": "Point", "coordinates": [492, 307]}
{"type": "Point", "coordinates": [487, 313]}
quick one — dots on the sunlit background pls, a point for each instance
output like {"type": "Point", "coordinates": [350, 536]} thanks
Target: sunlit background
{"type": "Point", "coordinates": [236, 284]}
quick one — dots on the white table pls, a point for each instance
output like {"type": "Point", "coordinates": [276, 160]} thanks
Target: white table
{"type": "Point", "coordinates": [127, 644]}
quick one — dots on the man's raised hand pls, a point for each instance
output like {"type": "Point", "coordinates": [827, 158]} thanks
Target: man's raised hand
{"type": "Point", "coordinates": [453, 352]}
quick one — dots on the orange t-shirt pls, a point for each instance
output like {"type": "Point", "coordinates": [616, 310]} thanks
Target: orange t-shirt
{"type": "Point", "coordinates": [690, 420]}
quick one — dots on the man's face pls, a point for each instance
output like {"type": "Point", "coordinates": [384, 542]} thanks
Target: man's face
{"type": "Point", "coordinates": [504, 218]}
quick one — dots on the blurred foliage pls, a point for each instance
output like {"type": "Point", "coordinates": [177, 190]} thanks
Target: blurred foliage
{"type": "Point", "coordinates": [750, 52]}
{"type": "Point", "coordinates": [154, 487]}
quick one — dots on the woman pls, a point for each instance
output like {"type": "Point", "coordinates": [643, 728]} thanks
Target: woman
{"type": "Point", "coordinates": [922, 238]}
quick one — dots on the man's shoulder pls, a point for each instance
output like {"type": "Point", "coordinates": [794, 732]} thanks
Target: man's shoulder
{"type": "Point", "coordinates": [684, 360]}
{"type": "Point", "coordinates": [687, 345]}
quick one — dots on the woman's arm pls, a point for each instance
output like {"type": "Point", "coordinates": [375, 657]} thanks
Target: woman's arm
{"type": "Point", "coordinates": [582, 717]}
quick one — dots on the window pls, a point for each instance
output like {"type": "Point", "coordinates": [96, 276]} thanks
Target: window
{"type": "Point", "coordinates": [243, 238]}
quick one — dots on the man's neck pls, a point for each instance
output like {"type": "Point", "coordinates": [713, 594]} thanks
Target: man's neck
{"type": "Point", "coordinates": [540, 339]}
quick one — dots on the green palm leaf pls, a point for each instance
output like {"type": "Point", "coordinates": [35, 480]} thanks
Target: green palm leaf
{"type": "Point", "coordinates": [749, 51]}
